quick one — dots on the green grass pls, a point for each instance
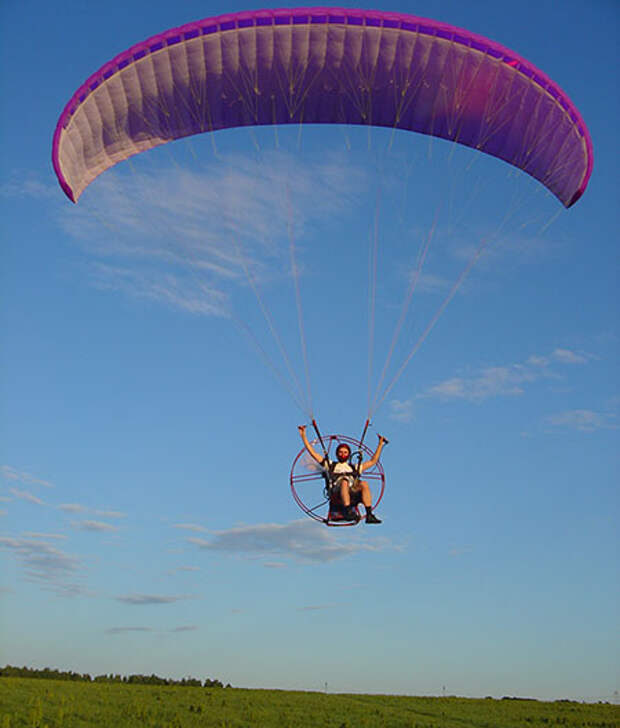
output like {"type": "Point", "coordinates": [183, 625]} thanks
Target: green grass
{"type": "Point", "coordinates": [30, 703]}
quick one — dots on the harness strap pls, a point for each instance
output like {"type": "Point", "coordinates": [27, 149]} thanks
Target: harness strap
{"type": "Point", "coordinates": [329, 466]}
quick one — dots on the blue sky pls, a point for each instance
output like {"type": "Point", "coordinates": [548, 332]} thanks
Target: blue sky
{"type": "Point", "coordinates": [146, 522]}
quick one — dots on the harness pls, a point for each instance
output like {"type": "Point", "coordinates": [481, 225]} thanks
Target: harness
{"type": "Point", "coordinates": [331, 476]}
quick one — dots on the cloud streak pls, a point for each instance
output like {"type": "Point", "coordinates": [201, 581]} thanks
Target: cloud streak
{"type": "Point", "coordinates": [182, 237]}
{"type": "Point", "coordinates": [503, 381]}
{"type": "Point", "coordinates": [94, 526]}
{"type": "Point", "coordinates": [150, 599]}
{"type": "Point", "coordinates": [124, 630]}
{"type": "Point", "coordinates": [45, 564]}
{"type": "Point", "coordinates": [401, 410]}
{"type": "Point", "coordinates": [185, 569]}
{"type": "Point", "coordinates": [174, 630]}
{"type": "Point", "coordinates": [302, 541]}
{"type": "Point", "coordinates": [582, 420]}
{"type": "Point", "coordinates": [10, 473]}
{"type": "Point", "coordinates": [185, 628]}
{"type": "Point", "coordinates": [78, 508]}
{"type": "Point", "coordinates": [317, 607]}
{"type": "Point", "coordinates": [25, 495]}
{"type": "Point", "coordinates": [72, 508]}
{"type": "Point", "coordinates": [190, 527]}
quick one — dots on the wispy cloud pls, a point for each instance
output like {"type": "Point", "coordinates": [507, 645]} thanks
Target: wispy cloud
{"type": "Point", "coordinates": [512, 380]}
{"type": "Point", "coordinates": [187, 568]}
{"type": "Point", "coordinates": [401, 410]}
{"type": "Point", "coordinates": [93, 526]}
{"type": "Point", "coordinates": [151, 599]}
{"type": "Point", "coordinates": [166, 288]}
{"type": "Point", "coordinates": [10, 473]}
{"type": "Point", "coordinates": [190, 527]}
{"type": "Point", "coordinates": [78, 508]}
{"type": "Point", "coordinates": [174, 630]}
{"type": "Point", "coordinates": [31, 534]}
{"type": "Point", "coordinates": [490, 382]}
{"type": "Point", "coordinates": [72, 508]}
{"type": "Point", "coordinates": [25, 495]}
{"type": "Point", "coordinates": [570, 357]}
{"type": "Point", "coordinates": [183, 236]}
{"type": "Point", "coordinates": [45, 564]}
{"type": "Point", "coordinates": [303, 541]}
{"type": "Point", "coordinates": [124, 630]}
{"type": "Point", "coordinates": [505, 381]}
{"type": "Point", "coordinates": [316, 607]}
{"type": "Point", "coordinates": [525, 244]}
{"type": "Point", "coordinates": [583, 420]}
{"type": "Point", "coordinates": [421, 281]}
{"type": "Point", "coordinates": [110, 514]}
{"type": "Point", "coordinates": [26, 185]}
{"type": "Point", "coordinates": [185, 628]}
{"type": "Point", "coordinates": [460, 551]}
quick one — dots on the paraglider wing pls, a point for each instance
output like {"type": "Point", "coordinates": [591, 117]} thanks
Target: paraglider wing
{"type": "Point", "coordinates": [324, 65]}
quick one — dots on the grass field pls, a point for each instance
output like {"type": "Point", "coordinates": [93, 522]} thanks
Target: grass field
{"type": "Point", "coordinates": [37, 703]}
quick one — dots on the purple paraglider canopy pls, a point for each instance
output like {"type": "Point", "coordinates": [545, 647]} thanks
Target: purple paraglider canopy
{"type": "Point", "coordinates": [324, 65]}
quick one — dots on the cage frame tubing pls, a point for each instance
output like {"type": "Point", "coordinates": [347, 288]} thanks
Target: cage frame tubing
{"type": "Point", "coordinates": [378, 476]}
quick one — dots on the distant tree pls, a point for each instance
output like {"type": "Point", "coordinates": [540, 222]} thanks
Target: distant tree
{"type": "Point", "coordinates": [212, 684]}
{"type": "Point", "coordinates": [48, 673]}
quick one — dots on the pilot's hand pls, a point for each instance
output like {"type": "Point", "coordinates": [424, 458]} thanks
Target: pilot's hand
{"type": "Point", "coordinates": [382, 439]}
{"type": "Point", "coordinates": [301, 428]}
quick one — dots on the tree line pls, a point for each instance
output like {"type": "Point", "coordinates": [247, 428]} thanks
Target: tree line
{"type": "Point", "coordinates": [48, 673]}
